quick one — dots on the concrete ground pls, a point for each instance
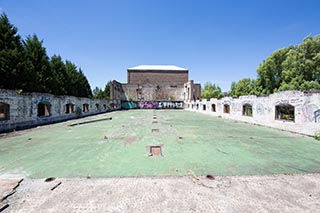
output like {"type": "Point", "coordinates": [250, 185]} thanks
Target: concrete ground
{"type": "Point", "coordinates": [118, 147]}
{"type": "Point", "coordinates": [271, 193]}
{"type": "Point", "coordinates": [101, 165]}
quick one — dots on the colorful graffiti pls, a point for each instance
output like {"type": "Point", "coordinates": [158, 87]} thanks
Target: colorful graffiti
{"type": "Point", "coordinates": [151, 105]}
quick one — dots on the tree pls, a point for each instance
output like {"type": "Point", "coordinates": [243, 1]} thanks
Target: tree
{"type": "Point", "coordinates": [98, 93]}
{"type": "Point", "coordinates": [60, 75]}
{"type": "Point", "coordinates": [270, 71]}
{"type": "Point", "coordinates": [301, 69]}
{"type": "Point", "coordinates": [11, 56]}
{"type": "Point", "coordinates": [211, 91]}
{"type": "Point", "coordinates": [244, 86]}
{"type": "Point", "coordinates": [38, 66]}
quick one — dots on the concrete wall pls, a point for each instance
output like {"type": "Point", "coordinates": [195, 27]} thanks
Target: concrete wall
{"type": "Point", "coordinates": [142, 77]}
{"type": "Point", "coordinates": [152, 92]}
{"type": "Point", "coordinates": [306, 110]}
{"type": "Point", "coordinates": [23, 108]}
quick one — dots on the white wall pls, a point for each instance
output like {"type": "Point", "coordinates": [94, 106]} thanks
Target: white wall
{"type": "Point", "coordinates": [306, 104]}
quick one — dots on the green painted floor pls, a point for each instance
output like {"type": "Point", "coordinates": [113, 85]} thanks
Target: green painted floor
{"type": "Point", "coordinates": [117, 147]}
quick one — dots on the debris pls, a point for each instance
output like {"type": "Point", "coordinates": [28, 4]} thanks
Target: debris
{"type": "Point", "coordinates": [91, 121]}
{"type": "Point", "coordinates": [211, 177]}
{"type": "Point", "coordinates": [29, 139]}
{"type": "Point", "coordinates": [49, 179]}
{"type": "Point", "coordinates": [58, 184]}
{"type": "Point", "coordinates": [105, 137]}
{"type": "Point", "coordinates": [180, 137]}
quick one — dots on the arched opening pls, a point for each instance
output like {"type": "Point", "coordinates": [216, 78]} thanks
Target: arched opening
{"type": "Point", "coordinates": [97, 107]}
{"type": "Point", "coordinates": [104, 106]}
{"type": "Point", "coordinates": [213, 107]}
{"type": "Point", "coordinates": [204, 107]}
{"type": "Point", "coordinates": [247, 110]}
{"type": "Point", "coordinates": [197, 106]}
{"type": "Point", "coordinates": [69, 108]}
{"type": "Point", "coordinates": [226, 108]}
{"type": "Point", "coordinates": [85, 107]}
{"type": "Point", "coordinates": [4, 111]}
{"type": "Point", "coordinates": [284, 112]}
{"type": "Point", "coordinates": [44, 109]}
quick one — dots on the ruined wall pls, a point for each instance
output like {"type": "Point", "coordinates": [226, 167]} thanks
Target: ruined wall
{"type": "Point", "coordinates": [152, 92]}
{"type": "Point", "coordinates": [24, 108]}
{"type": "Point", "coordinates": [192, 91]}
{"type": "Point", "coordinates": [142, 77]}
{"type": "Point", "coordinates": [152, 105]}
{"type": "Point", "coordinates": [306, 110]}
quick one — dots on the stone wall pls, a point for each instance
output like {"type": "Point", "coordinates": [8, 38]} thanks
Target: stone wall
{"type": "Point", "coordinates": [264, 111]}
{"type": "Point", "coordinates": [152, 92]}
{"type": "Point", "coordinates": [26, 110]}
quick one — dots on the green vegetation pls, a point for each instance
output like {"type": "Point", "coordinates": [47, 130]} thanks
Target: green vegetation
{"type": "Point", "coordinates": [211, 91]}
{"type": "Point", "coordinates": [295, 67]}
{"type": "Point", "coordinates": [25, 66]}
{"type": "Point", "coordinates": [102, 94]}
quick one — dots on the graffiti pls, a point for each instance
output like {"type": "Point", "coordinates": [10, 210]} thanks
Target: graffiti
{"type": "Point", "coordinates": [148, 104]}
{"type": "Point", "coordinates": [151, 105]}
{"type": "Point", "coordinates": [317, 116]}
{"type": "Point", "coordinates": [310, 112]}
{"type": "Point", "coordinates": [282, 102]}
{"type": "Point", "coordinates": [260, 109]}
{"type": "Point", "coordinates": [296, 101]}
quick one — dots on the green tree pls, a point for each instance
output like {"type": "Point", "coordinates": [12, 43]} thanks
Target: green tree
{"type": "Point", "coordinates": [244, 86]}
{"type": "Point", "coordinates": [270, 71]}
{"type": "Point", "coordinates": [38, 66]}
{"type": "Point", "coordinates": [60, 75]}
{"type": "Point", "coordinates": [11, 56]}
{"type": "Point", "coordinates": [301, 69]}
{"type": "Point", "coordinates": [98, 93]}
{"type": "Point", "coordinates": [211, 91]}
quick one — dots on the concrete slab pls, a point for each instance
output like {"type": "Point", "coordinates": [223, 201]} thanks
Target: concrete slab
{"type": "Point", "coordinates": [270, 193]}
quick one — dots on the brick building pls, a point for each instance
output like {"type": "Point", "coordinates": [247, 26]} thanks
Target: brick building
{"type": "Point", "coordinates": [156, 83]}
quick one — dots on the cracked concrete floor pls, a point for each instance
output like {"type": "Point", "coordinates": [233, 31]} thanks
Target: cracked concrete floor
{"type": "Point", "coordinates": [270, 193]}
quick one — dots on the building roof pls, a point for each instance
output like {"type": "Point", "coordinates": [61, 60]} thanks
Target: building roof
{"type": "Point", "coordinates": [158, 68]}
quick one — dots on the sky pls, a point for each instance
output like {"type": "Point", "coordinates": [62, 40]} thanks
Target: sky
{"type": "Point", "coordinates": [217, 41]}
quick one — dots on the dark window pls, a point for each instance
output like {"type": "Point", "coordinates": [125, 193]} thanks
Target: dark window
{"type": "Point", "coordinates": [104, 106]}
{"type": "Point", "coordinates": [85, 107]}
{"type": "Point", "coordinates": [226, 108]}
{"type": "Point", "coordinates": [284, 112]}
{"type": "Point", "coordinates": [44, 109]}
{"type": "Point", "coordinates": [247, 110]}
{"type": "Point", "coordinates": [69, 108]}
{"type": "Point", "coordinates": [197, 107]}
{"type": "Point", "coordinates": [213, 107]}
{"type": "Point", "coordinates": [204, 107]}
{"type": "Point", "coordinates": [97, 107]}
{"type": "Point", "coordinates": [4, 111]}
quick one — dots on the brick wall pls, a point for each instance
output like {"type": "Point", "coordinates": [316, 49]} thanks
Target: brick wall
{"type": "Point", "coordinates": [141, 77]}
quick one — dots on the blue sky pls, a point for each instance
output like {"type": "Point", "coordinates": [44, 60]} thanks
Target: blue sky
{"type": "Point", "coordinates": [218, 41]}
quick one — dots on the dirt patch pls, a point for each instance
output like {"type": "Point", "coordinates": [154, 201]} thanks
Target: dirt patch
{"type": "Point", "coordinates": [127, 140]}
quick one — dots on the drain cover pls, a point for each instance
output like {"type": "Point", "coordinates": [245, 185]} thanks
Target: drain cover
{"type": "Point", "coordinates": [154, 150]}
